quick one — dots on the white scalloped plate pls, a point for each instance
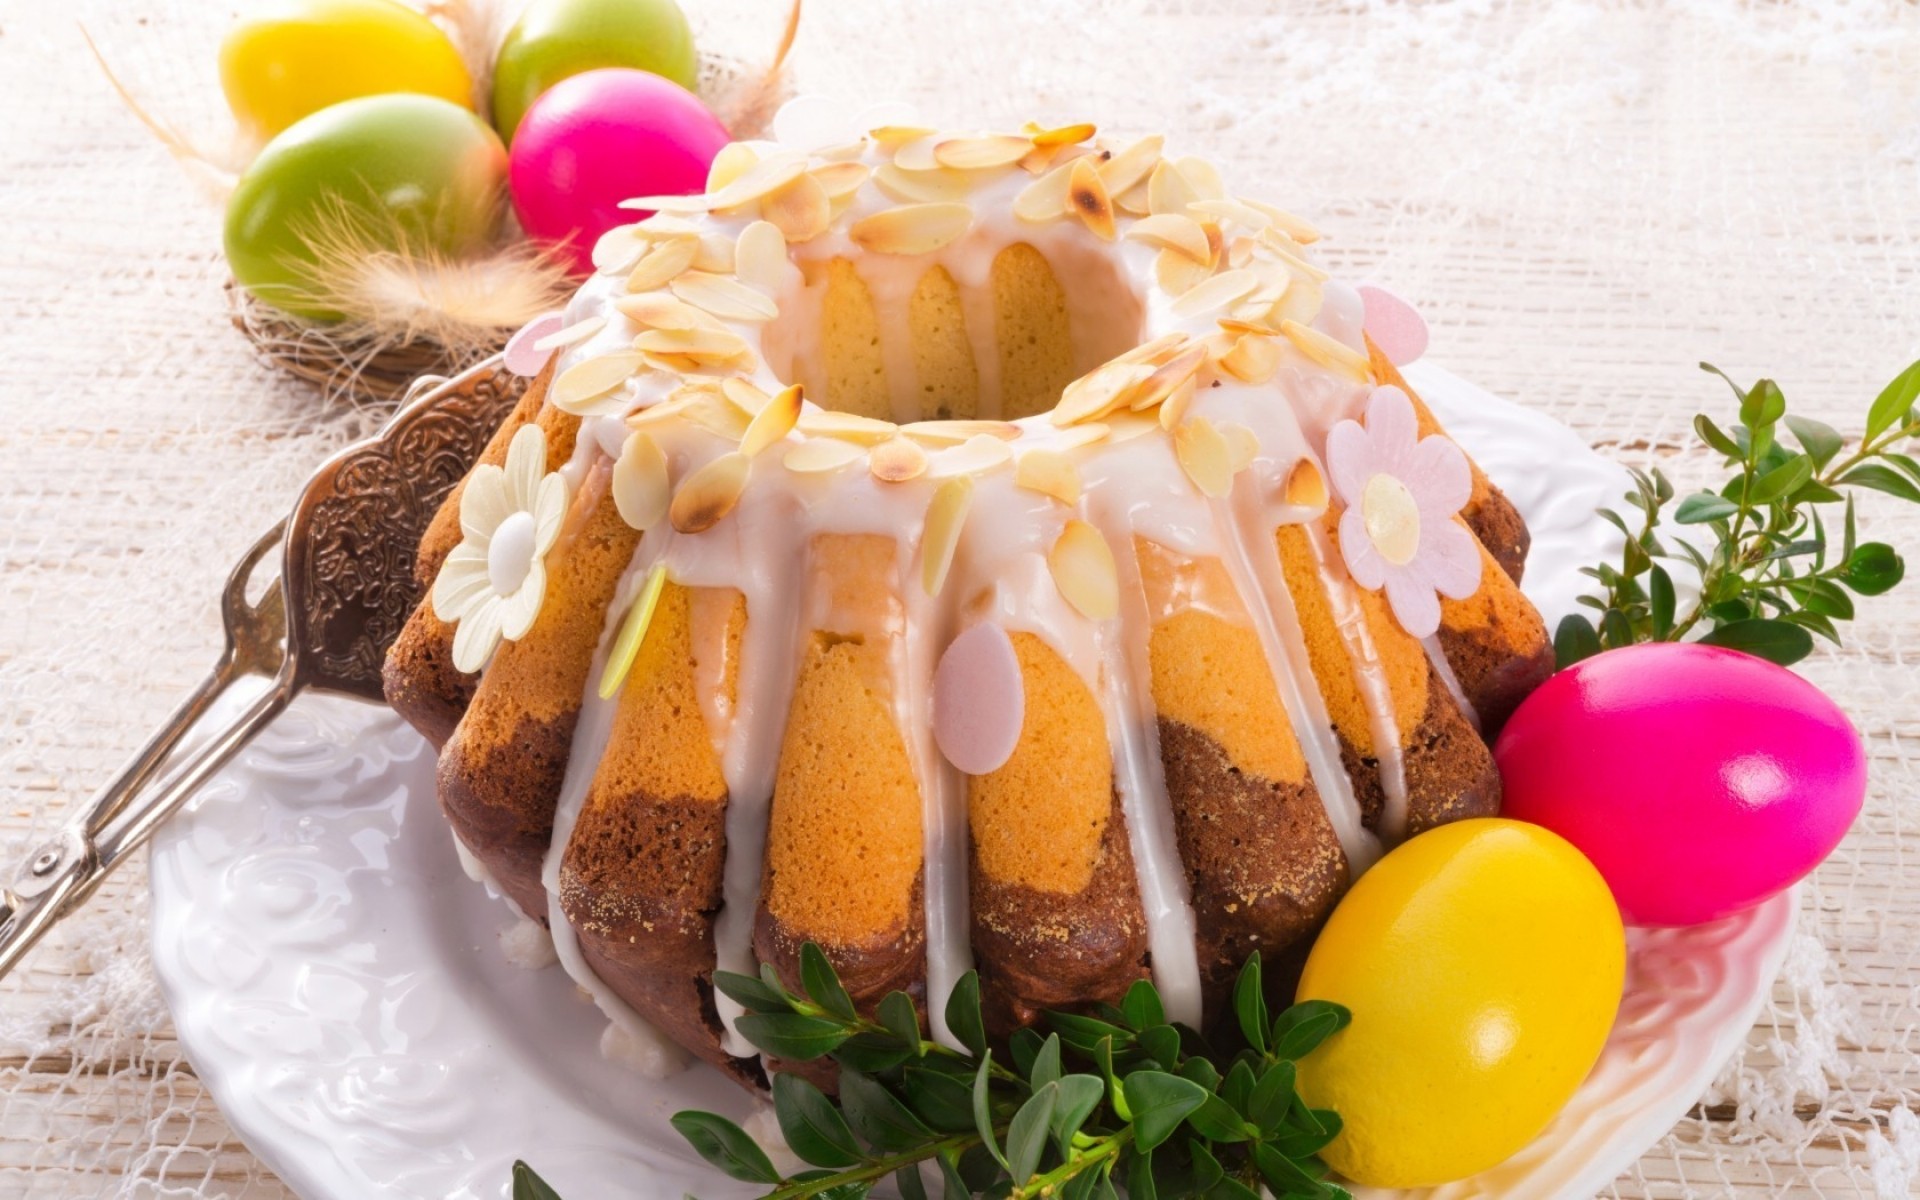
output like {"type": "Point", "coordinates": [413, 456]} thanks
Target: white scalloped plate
{"type": "Point", "coordinates": [338, 984]}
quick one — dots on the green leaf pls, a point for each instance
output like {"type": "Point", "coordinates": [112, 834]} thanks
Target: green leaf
{"type": "Point", "coordinates": [1714, 436]}
{"type": "Point", "coordinates": [1882, 478]}
{"type": "Point", "coordinates": [1764, 405]}
{"type": "Point", "coordinates": [1574, 640]}
{"type": "Point", "coordinates": [957, 1188]}
{"type": "Point", "coordinates": [943, 1101]}
{"type": "Point", "coordinates": [1819, 623]}
{"type": "Point", "coordinates": [898, 1016]}
{"type": "Point", "coordinates": [872, 1053]}
{"type": "Point", "coordinates": [1162, 1044]}
{"type": "Point", "coordinates": [1822, 597]}
{"type": "Point", "coordinates": [983, 1108]}
{"type": "Point", "coordinates": [1084, 1033]}
{"type": "Point", "coordinates": [811, 1124]}
{"type": "Point", "coordinates": [527, 1184]}
{"type": "Point", "coordinates": [1027, 1133]}
{"type": "Point", "coordinates": [1272, 1096]}
{"type": "Point", "coordinates": [1282, 1174]}
{"type": "Point", "coordinates": [1237, 1087]}
{"type": "Point", "coordinates": [1207, 1172]}
{"type": "Point", "coordinates": [1820, 440]}
{"type": "Point", "coordinates": [1079, 1096]}
{"type": "Point", "coordinates": [1783, 479]}
{"type": "Point", "coordinates": [1024, 1047]}
{"type": "Point", "coordinates": [1615, 629]}
{"type": "Point", "coordinates": [1250, 1004]}
{"type": "Point", "coordinates": [751, 993]}
{"type": "Point", "coordinates": [1159, 1102]}
{"type": "Point", "coordinates": [1891, 406]}
{"type": "Point", "coordinates": [791, 1035]}
{"type": "Point", "coordinates": [1046, 1064]}
{"type": "Point", "coordinates": [1142, 1005]}
{"type": "Point", "coordinates": [1873, 568]}
{"type": "Point", "coordinates": [911, 1186]}
{"type": "Point", "coordinates": [877, 1115]}
{"type": "Point", "coordinates": [1201, 1071]}
{"type": "Point", "coordinates": [822, 983]}
{"type": "Point", "coordinates": [1702, 507]}
{"type": "Point", "coordinates": [963, 1014]}
{"type": "Point", "coordinates": [1103, 1058]}
{"type": "Point", "coordinates": [1775, 641]}
{"type": "Point", "coordinates": [1298, 1031]}
{"type": "Point", "coordinates": [1660, 602]}
{"type": "Point", "coordinates": [726, 1146]}
{"type": "Point", "coordinates": [1140, 1183]}
{"type": "Point", "coordinates": [1216, 1121]}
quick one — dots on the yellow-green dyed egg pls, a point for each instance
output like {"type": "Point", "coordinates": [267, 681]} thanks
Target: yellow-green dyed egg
{"type": "Point", "coordinates": [558, 39]}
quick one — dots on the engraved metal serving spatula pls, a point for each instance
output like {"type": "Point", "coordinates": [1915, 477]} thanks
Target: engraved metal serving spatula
{"type": "Point", "coordinates": [344, 590]}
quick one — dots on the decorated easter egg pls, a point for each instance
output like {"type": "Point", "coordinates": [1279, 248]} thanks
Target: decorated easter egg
{"type": "Point", "coordinates": [602, 137]}
{"type": "Point", "coordinates": [1699, 780]}
{"type": "Point", "coordinates": [1483, 963]}
{"type": "Point", "coordinates": [557, 39]}
{"type": "Point", "coordinates": [289, 58]}
{"type": "Point", "coordinates": [369, 175]}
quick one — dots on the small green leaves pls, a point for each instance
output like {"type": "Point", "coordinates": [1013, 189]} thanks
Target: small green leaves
{"type": "Point", "coordinates": [822, 984]}
{"type": "Point", "coordinates": [1894, 405]}
{"type": "Point", "coordinates": [1820, 440]}
{"type": "Point", "coordinates": [813, 1127]}
{"type": "Point", "coordinates": [881, 1120]}
{"type": "Point", "coordinates": [1299, 1031]}
{"type": "Point", "coordinates": [963, 1014]}
{"type": "Point", "coordinates": [527, 1185]}
{"type": "Point", "coordinates": [1775, 641]}
{"type": "Point", "coordinates": [792, 1035]}
{"type": "Point", "coordinates": [1027, 1134]}
{"type": "Point", "coordinates": [1702, 507]}
{"type": "Point", "coordinates": [1574, 640]}
{"type": "Point", "coordinates": [726, 1146]}
{"type": "Point", "coordinates": [1873, 568]}
{"type": "Point", "coordinates": [1250, 1004]}
{"type": "Point", "coordinates": [1160, 1103]}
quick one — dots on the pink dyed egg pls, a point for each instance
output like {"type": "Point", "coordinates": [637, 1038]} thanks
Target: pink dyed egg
{"type": "Point", "coordinates": [979, 700]}
{"type": "Point", "coordinates": [600, 137]}
{"type": "Point", "coordinates": [1700, 781]}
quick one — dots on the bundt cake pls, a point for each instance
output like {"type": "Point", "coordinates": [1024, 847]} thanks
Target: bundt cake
{"type": "Point", "coordinates": [960, 551]}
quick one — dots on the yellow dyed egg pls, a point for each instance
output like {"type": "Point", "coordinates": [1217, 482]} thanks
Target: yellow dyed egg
{"type": "Point", "coordinates": [289, 58]}
{"type": "Point", "coordinates": [1483, 963]}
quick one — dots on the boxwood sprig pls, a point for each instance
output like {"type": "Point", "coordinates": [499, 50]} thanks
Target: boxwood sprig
{"type": "Point", "coordinates": [1118, 1097]}
{"type": "Point", "coordinates": [1772, 576]}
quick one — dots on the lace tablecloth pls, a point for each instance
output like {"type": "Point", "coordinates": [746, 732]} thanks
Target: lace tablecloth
{"type": "Point", "coordinates": [1585, 198]}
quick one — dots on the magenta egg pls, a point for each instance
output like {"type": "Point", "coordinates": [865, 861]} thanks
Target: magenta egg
{"type": "Point", "coordinates": [1700, 781]}
{"type": "Point", "coordinates": [600, 137]}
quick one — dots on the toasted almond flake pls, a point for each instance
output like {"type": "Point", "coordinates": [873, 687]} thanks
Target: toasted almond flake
{"type": "Point", "coordinates": [1083, 570]}
{"type": "Point", "coordinates": [1229, 209]}
{"type": "Point", "coordinates": [1299, 230]}
{"type": "Point", "coordinates": [1049, 472]}
{"type": "Point", "coordinates": [1123, 427]}
{"type": "Point", "coordinates": [669, 204]}
{"type": "Point", "coordinates": [889, 137]}
{"type": "Point", "coordinates": [1253, 359]}
{"type": "Point", "coordinates": [734, 160]}
{"type": "Point", "coordinates": [714, 255]}
{"type": "Point", "coordinates": [816, 455]}
{"type": "Point", "coordinates": [656, 310]}
{"type": "Point", "coordinates": [917, 155]}
{"type": "Point", "coordinates": [1171, 231]}
{"type": "Point", "coordinates": [1217, 292]}
{"type": "Point", "coordinates": [701, 345]}
{"type": "Point", "coordinates": [978, 454]}
{"type": "Point", "coordinates": [1173, 409]}
{"type": "Point", "coordinates": [1167, 377]}
{"type": "Point", "coordinates": [897, 460]}
{"type": "Point", "coordinates": [1168, 190]}
{"type": "Point", "coordinates": [1099, 392]}
{"type": "Point", "coordinates": [760, 256]}
{"type": "Point", "coordinates": [1157, 351]}
{"type": "Point", "coordinates": [800, 210]}
{"type": "Point", "coordinates": [981, 153]}
{"type": "Point", "coordinates": [619, 248]}
{"type": "Point", "coordinates": [867, 431]}
{"type": "Point", "coordinates": [1037, 160]}
{"type": "Point", "coordinates": [662, 412]}
{"type": "Point", "coordinates": [1202, 177]}
{"type": "Point", "coordinates": [577, 388]}
{"type": "Point", "coordinates": [1204, 455]}
{"type": "Point", "coordinates": [841, 180]}
{"type": "Point", "coordinates": [1289, 254]}
{"type": "Point", "coordinates": [724, 296]}
{"type": "Point", "coordinates": [842, 152]}
{"type": "Point", "coordinates": [1240, 251]}
{"type": "Point", "coordinates": [761, 180]}
{"type": "Point", "coordinates": [660, 264]}
{"type": "Point", "coordinates": [572, 334]}
{"type": "Point", "coordinates": [1079, 436]}
{"type": "Point", "coordinates": [952, 433]}
{"type": "Point", "coordinates": [1064, 135]}
{"type": "Point", "coordinates": [911, 228]}
{"type": "Point", "coordinates": [1243, 446]}
{"type": "Point", "coordinates": [1087, 198]}
{"type": "Point", "coordinates": [744, 395]}
{"type": "Point", "coordinates": [921, 187]}
{"type": "Point", "coordinates": [1328, 352]}
{"type": "Point", "coordinates": [661, 226]}
{"type": "Point", "coordinates": [717, 415]}
{"type": "Point", "coordinates": [1176, 274]}
{"type": "Point", "coordinates": [709, 494]}
{"type": "Point", "coordinates": [946, 517]}
{"type": "Point", "coordinates": [640, 486]}
{"type": "Point", "coordinates": [1131, 165]}
{"type": "Point", "coordinates": [773, 422]}
{"type": "Point", "coordinates": [1306, 487]}
{"type": "Point", "coordinates": [1301, 303]}
{"type": "Point", "coordinates": [633, 632]}
{"type": "Point", "coordinates": [1046, 197]}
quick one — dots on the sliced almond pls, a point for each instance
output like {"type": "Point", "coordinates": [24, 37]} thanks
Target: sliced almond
{"type": "Point", "coordinates": [1306, 487]}
{"type": "Point", "coordinates": [799, 209]}
{"type": "Point", "coordinates": [760, 256]}
{"type": "Point", "coordinates": [978, 454]}
{"type": "Point", "coordinates": [1330, 353]}
{"type": "Point", "coordinates": [640, 486]}
{"type": "Point", "coordinates": [1173, 409]}
{"type": "Point", "coordinates": [633, 632]}
{"type": "Point", "coordinates": [921, 187]}
{"type": "Point", "coordinates": [717, 415]}
{"type": "Point", "coordinates": [724, 296]}
{"type": "Point", "coordinates": [1240, 251]}
{"type": "Point", "coordinates": [1253, 359]}
{"type": "Point", "coordinates": [734, 160]}
{"type": "Point", "coordinates": [1202, 177]}
{"type": "Point", "coordinates": [1123, 427]}
{"type": "Point", "coordinates": [1131, 165]}
{"type": "Point", "coordinates": [952, 433]}
{"type": "Point", "coordinates": [1301, 303]}
{"type": "Point", "coordinates": [660, 264]}
{"type": "Point", "coordinates": [1168, 190]}
{"type": "Point", "coordinates": [917, 155]}
{"type": "Point", "coordinates": [666, 410]}
{"type": "Point", "coordinates": [584, 388]}
{"type": "Point", "coordinates": [699, 345]}
{"type": "Point", "coordinates": [1134, 201]}
{"type": "Point", "coordinates": [746, 397]}
{"type": "Point", "coordinates": [1243, 446]}
{"type": "Point", "coordinates": [892, 137]}
{"type": "Point", "coordinates": [1157, 351]}
{"type": "Point", "coordinates": [1064, 135]}
{"type": "Point", "coordinates": [1168, 376]}
{"type": "Point", "coordinates": [1049, 472]}
{"type": "Point", "coordinates": [817, 455]}
{"type": "Point", "coordinates": [1204, 455]}
{"type": "Point", "coordinates": [1088, 200]}
{"type": "Point", "coordinates": [759, 181]}
{"type": "Point", "coordinates": [841, 180]}
{"type": "Point", "coordinates": [773, 422]}
{"type": "Point", "coordinates": [1176, 274]}
{"type": "Point", "coordinates": [1100, 391]}
{"type": "Point", "coordinates": [1299, 230]}
{"type": "Point", "coordinates": [714, 254]}
{"type": "Point", "coordinates": [656, 310]}
{"type": "Point", "coordinates": [946, 517]}
{"type": "Point", "coordinates": [867, 431]}
{"type": "Point", "coordinates": [1229, 209]}
{"type": "Point", "coordinates": [981, 153]}
{"type": "Point", "coordinates": [1083, 570]}
{"type": "Point", "coordinates": [842, 152]}
{"type": "Point", "coordinates": [1046, 197]}
{"type": "Point", "coordinates": [619, 248]}
{"type": "Point", "coordinates": [912, 228]}
{"type": "Point", "coordinates": [571, 335]}
{"type": "Point", "coordinates": [897, 460]}
{"type": "Point", "coordinates": [661, 226]}
{"type": "Point", "coordinates": [709, 494]}
{"type": "Point", "coordinates": [669, 204]}
{"type": "Point", "coordinates": [1080, 435]}
{"type": "Point", "coordinates": [1289, 254]}
{"type": "Point", "coordinates": [1216, 293]}
{"type": "Point", "coordinates": [1171, 231]}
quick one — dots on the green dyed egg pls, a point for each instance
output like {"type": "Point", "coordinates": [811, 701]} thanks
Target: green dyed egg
{"type": "Point", "coordinates": [392, 172]}
{"type": "Point", "coordinates": [555, 39]}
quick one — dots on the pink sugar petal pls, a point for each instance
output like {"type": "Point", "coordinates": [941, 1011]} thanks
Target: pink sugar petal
{"type": "Point", "coordinates": [520, 357]}
{"type": "Point", "coordinates": [979, 700]}
{"type": "Point", "coordinates": [1350, 460]}
{"type": "Point", "coordinates": [1394, 428]}
{"type": "Point", "coordinates": [1413, 602]}
{"type": "Point", "coordinates": [1450, 558]}
{"type": "Point", "coordinates": [1364, 563]}
{"type": "Point", "coordinates": [1438, 476]}
{"type": "Point", "coordinates": [1394, 325]}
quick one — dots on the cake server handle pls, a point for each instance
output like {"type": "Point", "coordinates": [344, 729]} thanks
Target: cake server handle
{"type": "Point", "coordinates": [64, 871]}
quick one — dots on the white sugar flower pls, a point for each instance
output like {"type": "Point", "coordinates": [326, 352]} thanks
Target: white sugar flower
{"type": "Point", "coordinates": [493, 582]}
{"type": "Point", "coordinates": [1401, 493]}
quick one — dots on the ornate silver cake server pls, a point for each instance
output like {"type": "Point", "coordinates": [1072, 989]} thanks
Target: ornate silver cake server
{"type": "Point", "coordinates": [344, 589]}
